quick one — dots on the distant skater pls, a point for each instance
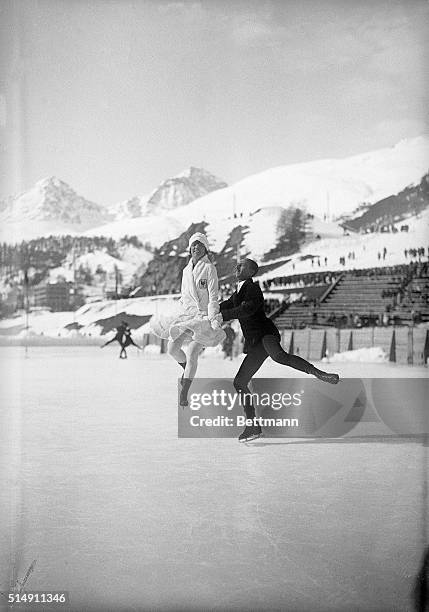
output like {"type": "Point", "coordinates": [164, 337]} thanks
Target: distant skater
{"type": "Point", "coordinates": [118, 337]}
{"type": "Point", "coordinates": [123, 337]}
{"type": "Point", "coordinates": [262, 340]}
{"type": "Point", "coordinates": [127, 341]}
{"type": "Point", "coordinates": [195, 318]}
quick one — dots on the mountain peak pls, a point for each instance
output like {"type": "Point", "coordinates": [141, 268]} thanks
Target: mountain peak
{"type": "Point", "coordinates": [50, 181]}
{"type": "Point", "coordinates": [183, 189]}
{"type": "Point", "coordinates": [51, 205]}
{"type": "Point", "coordinates": [194, 172]}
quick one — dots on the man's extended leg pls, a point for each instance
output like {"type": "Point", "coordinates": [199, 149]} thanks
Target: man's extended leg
{"type": "Point", "coordinates": [250, 365]}
{"type": "Point", "coordinates": [275, 351]}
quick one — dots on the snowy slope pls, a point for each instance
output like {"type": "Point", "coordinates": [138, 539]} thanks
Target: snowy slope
{"type": "Point", "coordinates": [261, 235]}
{"type": "Point", "coordinates": [329, 187]}
{"type": "Point", "coordinates": [365, 246]}
{"type": "Point", "coordinates": [131, 260]}
{"type": "Point", "coordinates": [153, 229]}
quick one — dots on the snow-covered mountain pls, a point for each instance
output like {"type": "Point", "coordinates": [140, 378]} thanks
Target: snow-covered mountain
{"type": "Point", "coordinates": [129, 209]}
{"type": "Point", "coordinates": [328, 188]}
{"type": "Point", "coordinates": [172, 193]}
{"type": "Point", "coordinates": [50, 207]}
{"type": "Point", "coordinates": [182, 189]}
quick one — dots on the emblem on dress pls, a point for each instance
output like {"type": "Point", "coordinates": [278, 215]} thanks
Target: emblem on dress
{"type": "Point", "coordinates": [203, 283]}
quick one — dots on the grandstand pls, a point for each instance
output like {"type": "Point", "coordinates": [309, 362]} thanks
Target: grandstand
{"type": "Point", "coordinates": [378, 296]}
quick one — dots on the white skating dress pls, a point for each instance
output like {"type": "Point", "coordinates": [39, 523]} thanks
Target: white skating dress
{"type": "Point", "coordinates": [198, 304]}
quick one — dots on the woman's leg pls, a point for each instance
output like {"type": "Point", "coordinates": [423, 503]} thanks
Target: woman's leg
{"type": "Point", "coordinates": [174, 348]}
{"type": "Point", "coordinates": [275, 351]}
{"type": "Point", "coordinates": [194, 350]}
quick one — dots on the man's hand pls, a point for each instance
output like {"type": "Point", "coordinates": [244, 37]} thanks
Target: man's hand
{"type": "Point", "coordinates": [216, 321]}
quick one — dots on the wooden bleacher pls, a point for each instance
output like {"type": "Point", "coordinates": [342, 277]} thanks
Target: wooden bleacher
{"type": "Point", "coordinates": [362, 295]}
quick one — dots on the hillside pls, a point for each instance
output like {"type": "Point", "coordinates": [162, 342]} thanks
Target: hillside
{"type": "Point", "coordinates": [325, 188]}
{"type": "Point", "coordinates": [409, 202]}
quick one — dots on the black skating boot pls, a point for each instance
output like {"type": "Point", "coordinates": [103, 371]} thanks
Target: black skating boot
{"type": "Point", "coordinates": [251, 432]}
{"type": "Point", "coordinates": [325, 376]}
{"type": "Point", "coordinates": [183, 399]}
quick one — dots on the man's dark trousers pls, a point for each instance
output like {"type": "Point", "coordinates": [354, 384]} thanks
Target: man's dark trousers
{"type": "Point", "coordinates": [261, 338]}
{"type": "Point", "coordinates": [269, 346]}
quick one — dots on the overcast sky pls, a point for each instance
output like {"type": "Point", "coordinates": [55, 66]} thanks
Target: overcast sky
{"type": "Point", "coordinates": [115, 96]}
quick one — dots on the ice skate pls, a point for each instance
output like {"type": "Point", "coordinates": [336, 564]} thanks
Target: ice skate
{"type": "Point", "coordinates": [183, 397]}
{"type": "Point", "coordinates": [251, 432]}
{"type": "Point", "coordinates": [326, 376]}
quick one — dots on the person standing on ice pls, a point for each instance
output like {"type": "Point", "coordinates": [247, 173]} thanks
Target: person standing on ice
{"type": "Point", "coordinates": [261, 340]}
{"type": "Point", "coordinates": [195, 319]}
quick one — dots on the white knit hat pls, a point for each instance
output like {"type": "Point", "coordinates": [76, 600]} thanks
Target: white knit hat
{"type": "Point", "coordinates": [201, 238]}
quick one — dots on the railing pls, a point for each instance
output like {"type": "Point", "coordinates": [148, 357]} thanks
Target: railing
{"type": "Point", "coordinates": [278, 311]}
{"type": "Point", "coordinates": [332, 287]}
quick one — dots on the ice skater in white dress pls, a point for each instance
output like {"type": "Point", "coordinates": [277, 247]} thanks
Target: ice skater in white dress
{"type": "Point", "coordinates": [196, 318]}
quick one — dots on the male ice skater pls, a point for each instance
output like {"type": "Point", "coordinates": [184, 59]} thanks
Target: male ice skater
{"type": "Point", "coordinates": [261, 340]}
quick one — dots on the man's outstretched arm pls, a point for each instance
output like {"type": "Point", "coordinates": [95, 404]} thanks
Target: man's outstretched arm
{"type": "Point", "coordinates": [253, 301]}
{"type": "Point", "coordinates": [226, 304]}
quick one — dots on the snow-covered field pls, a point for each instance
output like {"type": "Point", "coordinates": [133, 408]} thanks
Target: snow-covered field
{"type": "Point", "coordinates": [98, 489]}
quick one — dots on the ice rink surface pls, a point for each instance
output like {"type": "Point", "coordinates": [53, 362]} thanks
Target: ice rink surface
{"type": "Point", "coordinates": [97, 488]}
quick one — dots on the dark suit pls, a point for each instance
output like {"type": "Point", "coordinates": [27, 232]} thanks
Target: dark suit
{"type": "Point", "coordinates": [261, 338]}
{"type": "Point", "coordinates": [248, 307]}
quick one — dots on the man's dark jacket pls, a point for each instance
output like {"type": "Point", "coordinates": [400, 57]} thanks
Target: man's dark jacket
{"type": "Point", "coordinates": [248, 307]}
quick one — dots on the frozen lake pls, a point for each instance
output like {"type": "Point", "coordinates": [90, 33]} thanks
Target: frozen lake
{"type": "Point", "coordinates": [98, 489]}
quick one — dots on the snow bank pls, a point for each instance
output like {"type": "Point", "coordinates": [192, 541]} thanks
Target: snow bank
{"type": "Point", "coordinates": [364, 355]}
{"type": "Point", "coordinates": [152, 348]}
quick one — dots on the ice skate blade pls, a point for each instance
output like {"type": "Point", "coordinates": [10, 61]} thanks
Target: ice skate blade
{"type": "Point", "coordinates": [332, 379]}
{"type": "Point", "coordinates": [251, 438]}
